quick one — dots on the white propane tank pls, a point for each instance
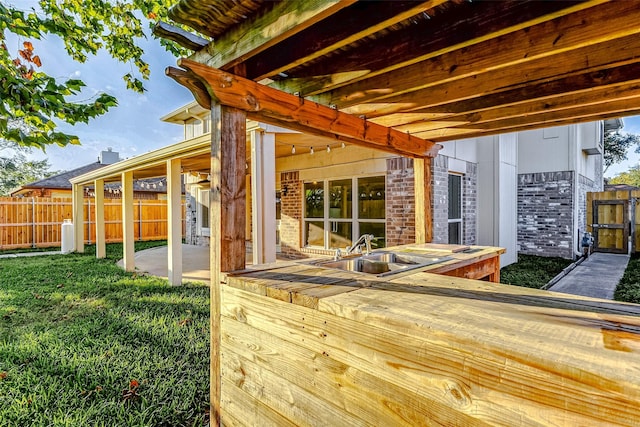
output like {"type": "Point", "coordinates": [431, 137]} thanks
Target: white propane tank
{"type": "Point", "coordinates": [67, 237]}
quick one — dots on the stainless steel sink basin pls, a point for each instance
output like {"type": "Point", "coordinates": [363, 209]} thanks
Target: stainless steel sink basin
{"type": "Point", "coordinates": [383, 264]}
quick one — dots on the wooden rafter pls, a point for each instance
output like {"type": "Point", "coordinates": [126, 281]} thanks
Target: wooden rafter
{"type": "Point", "coordinates": [533, 45]}
{"type": "Point", "coordinates": [180, 36]}
{"type": "Point", "coordinates": [269, 105]}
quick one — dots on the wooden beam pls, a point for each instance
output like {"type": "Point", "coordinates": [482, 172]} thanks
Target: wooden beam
{"type": "Point", "coordinates": [180, 36]}
{"type": "Point", "coordinates": [348, 25]}
{"type": "Point", "coordinates": [128, 239]}
{"type": "Point", "coordinates": [586, 61]}
{"type": "Point", "coordinates": [583, 28]}
{"type": "Point", "coordinates": [195, 86]}
{"type": "Point", "coordinates": [423, 200]}
{"type": "Point", "coordinates": [607, 94]}
{"type": "Point", "coordinates": [227, 221]}
{"type": "Point", "coordinates": [258, 31]}
{"type": "Point", "coordinates": [174, 222]}
{"type": "Point", "coordinates": [456, 28]}
{"type": "Point", "coordinates": [269, 105]}
{"type": "Point", "coordinates": [101, 247]}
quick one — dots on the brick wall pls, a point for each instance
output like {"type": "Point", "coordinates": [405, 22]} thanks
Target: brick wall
{"type": "Point", "coordinates": [545, 214]}
{"type": "Point", "coordinates": [400, 206]}
{"type": "Point", "coordinates": [440, 173]}
{"type": "Point", "coordinates": [469, 204]}
{"type": "Point", "coordinates": [291, 214]}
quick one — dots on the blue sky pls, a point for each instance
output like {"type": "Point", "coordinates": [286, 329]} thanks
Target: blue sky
{"type": "Point", "coordinates": [131, 128]}
{"type": "Point", "coordinates": [134, 126]}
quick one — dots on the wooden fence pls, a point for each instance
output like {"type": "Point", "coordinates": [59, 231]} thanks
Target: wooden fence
{"type": "Point", "coordinates": [37, 222]}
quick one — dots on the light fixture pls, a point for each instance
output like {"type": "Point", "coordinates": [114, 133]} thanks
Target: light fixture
{"type": "Point", "coordinates": [311, 150]}
{"type": "Point", "coordinates": [285, 190]}
{"type": "Point", "coordinates": [293, 149]}
{"type": "Point", "coordinates": [342, 145]}
{"type": "Point", "coordinates": [328, 148]}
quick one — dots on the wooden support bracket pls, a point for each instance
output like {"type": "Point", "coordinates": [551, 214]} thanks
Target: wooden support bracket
{"type": "Point", "coordinates": [265, 104]}
{"type": "Point", "coordinates": [192, 83]}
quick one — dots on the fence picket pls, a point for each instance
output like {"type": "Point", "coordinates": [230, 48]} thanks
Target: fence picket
{"type": "Point", "coordinates": [37, 222]}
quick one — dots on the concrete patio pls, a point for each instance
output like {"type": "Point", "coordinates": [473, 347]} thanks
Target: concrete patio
{"type": "Point", "coordinates": [195, 262]}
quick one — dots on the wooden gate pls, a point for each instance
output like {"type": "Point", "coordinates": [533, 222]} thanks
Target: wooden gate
{"type": "Point", "coordinates": [612, 218]}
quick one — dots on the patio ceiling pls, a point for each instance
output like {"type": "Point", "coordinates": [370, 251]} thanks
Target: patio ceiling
{"type": "Point", "coordinates": [437, 70]}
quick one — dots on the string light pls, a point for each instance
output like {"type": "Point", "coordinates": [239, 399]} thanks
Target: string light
{"type": "Point", "coordinates": [293, 149]}
{"type": "Point", "coordinates": [328, 148]}
{"type": "Point", "coordinates": [342, 145]}
{"type": "Point", "coordinates": [311, 150]}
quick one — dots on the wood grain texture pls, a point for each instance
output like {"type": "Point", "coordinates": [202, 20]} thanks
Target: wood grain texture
{"type": "Point", "coordinates": [272, 106]}
{"type": "Point", "coordinates": [227, 219]}
{"type": "Point", "coordinates": [490, 359]}
{"type": "Point", "coordinates": [180, 36]}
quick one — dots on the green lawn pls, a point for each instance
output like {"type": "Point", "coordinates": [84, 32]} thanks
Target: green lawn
{"type": "Point", "coordinates": [83, 343]}
{"type": "Point", "coordinates": [532, 271]}
{"type": "Point", "coordinates": [629, 287]}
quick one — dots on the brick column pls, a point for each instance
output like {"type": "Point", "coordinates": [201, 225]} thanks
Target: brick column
{"type": "Point", "coordinates": [291, 214]}
{"type": "Point", "coordinates": [400, 203]}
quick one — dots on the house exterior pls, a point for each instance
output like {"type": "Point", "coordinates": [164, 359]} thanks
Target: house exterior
{"type": "Point", "coordinates": [59, 185]}
{"type": "Point", "coordinates": [501, 190]}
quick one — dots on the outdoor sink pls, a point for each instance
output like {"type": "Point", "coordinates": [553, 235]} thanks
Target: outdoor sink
{"type": "Point", "coordinates": [383, 264]}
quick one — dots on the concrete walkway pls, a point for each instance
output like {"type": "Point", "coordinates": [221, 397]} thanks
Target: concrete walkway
{"type": "Point", "coordinates": [195, 262]}
{"type": "Point", "coordinates": [595, 277]}
{"type": "Point", "coordinates": [28, 254]}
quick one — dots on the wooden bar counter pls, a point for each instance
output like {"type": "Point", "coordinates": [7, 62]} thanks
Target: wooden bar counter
{"type": "Point", "coordinates": [306, 345]}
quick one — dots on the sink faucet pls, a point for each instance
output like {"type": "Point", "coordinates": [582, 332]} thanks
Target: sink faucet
{"type": "Point", "coordinates": [337, 255]}
{"type": "Point", "coordinates": [366, 239]}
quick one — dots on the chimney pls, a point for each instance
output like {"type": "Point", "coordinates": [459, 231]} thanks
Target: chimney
{"type": "Point", "coordinates": [108, 157]}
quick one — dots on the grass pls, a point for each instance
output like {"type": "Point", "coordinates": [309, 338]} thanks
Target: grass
{"type": "Point", "coordinates": [532, 271]}
{"type": "Point", "coordinates": [83, 343]}
{"type": "Point", "coordinates": [628, 289]}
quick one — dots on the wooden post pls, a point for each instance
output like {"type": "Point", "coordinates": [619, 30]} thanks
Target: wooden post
{"type": "Point", "coordinates": [128, 247]}
{"type": "Point", "coordinates": [227, 221]}
{"type": "Point", "coordinates": [423, 199]}
{"type": "Point", "coordinates": [263, 186]}
{"type": "Point", "coordinates": [174, 222]}
{"type": "Point", "coordinates": [101, 248]}
{"type": "Point", "coordinates": [78, 217]}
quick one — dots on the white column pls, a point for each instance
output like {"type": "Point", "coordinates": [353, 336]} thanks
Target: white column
{"type": "Point", "coordinates": [174, 222]}
{"type": "Point", "coordinates": [101, 249]}
{"type": "Point", "coordinates": [263, 185]}
{"type": "Point", "coordinates": [78, 217]}
{"type": "Point", "coordinates": [128, 247]}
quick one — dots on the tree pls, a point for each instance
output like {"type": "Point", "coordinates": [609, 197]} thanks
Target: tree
{"type": "Point", "coordinates": [630, 177]}
{"type": "Point", "coordinates": [16, 170]}
{"type": "Point", "coordinates": [30, 100]}
{"type": "Point", "coordinates": [616, 145]}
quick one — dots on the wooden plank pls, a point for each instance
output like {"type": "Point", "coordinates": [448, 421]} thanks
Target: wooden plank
{"type": "Point", "coordinates": [515, 49]}
{"type": "Point", "coordinates": [367, 398]}
{"type": "Point", "coordinates": [349, 25]}
{"type": "Point", "coordinates": [423, 190]}
{"type": "Point", "coordinates": [397, 337]}
{"type": "Point", "coordinates": [272, 106]}
{"type": "Point", "coordinates": [256, 32]}
{"type": "Point", "coordinates": [241, 409]}
{"type": "Point", "coordinates": [457, 28]}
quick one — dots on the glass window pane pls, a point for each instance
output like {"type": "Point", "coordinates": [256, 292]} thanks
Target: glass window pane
{"type": "Point", "coordinates": [455, 229]}
{"type": "Point", "coordinates": [455, 196]}
{"type": "Point", "coordinates": [314, 200]}
{"type": "Point", "coordinates": [340, 235]}
{"type": "Point", "coordinates": [340, 201]}
{"type": "Point", "coordinates": [314, 233]}
{"type": "Point", "coordinates": [371, 196]}
{"type": "Point", "coordinates": [378, 231]}
{"type": "Point", "coordinates": [204, 208]}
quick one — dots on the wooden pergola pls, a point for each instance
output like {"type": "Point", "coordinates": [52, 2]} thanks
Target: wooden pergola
{"type": "Point", "coordinates": [398, 76]}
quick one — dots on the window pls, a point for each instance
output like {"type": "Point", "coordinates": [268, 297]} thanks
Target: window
{"type": "Point", "coordinates": [202, 212]}
{"type": "Point", "coordinates": [335, 215]}
{"type": "Point", "coordinates": [455, 209]}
